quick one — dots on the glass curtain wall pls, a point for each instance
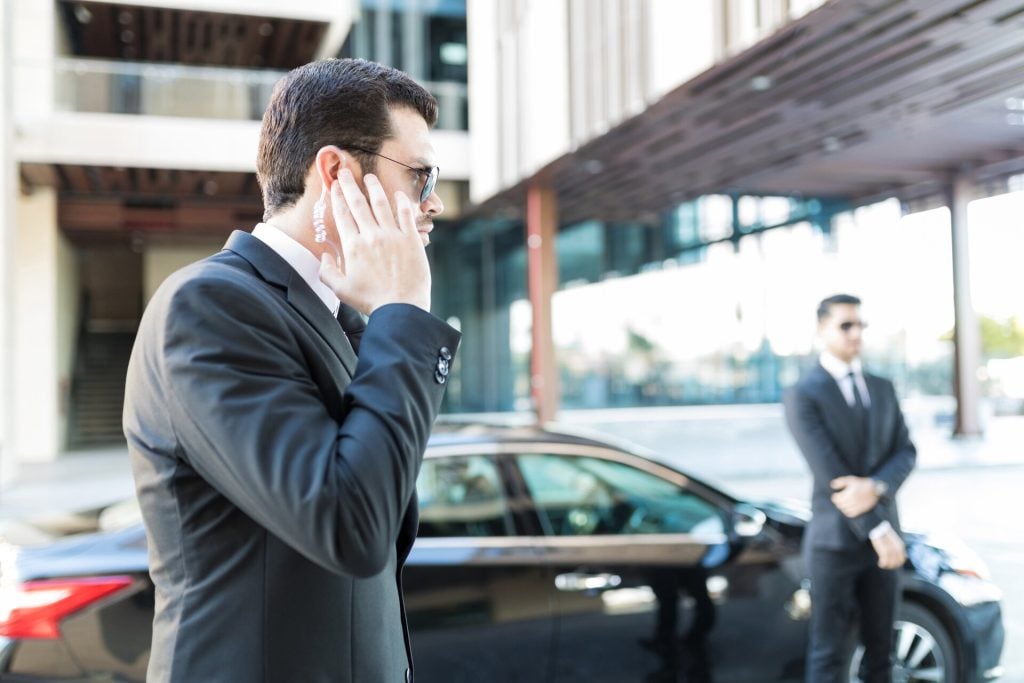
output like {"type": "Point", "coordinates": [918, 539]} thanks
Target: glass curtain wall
{"type": "Point", "coordinates": [716, 303]}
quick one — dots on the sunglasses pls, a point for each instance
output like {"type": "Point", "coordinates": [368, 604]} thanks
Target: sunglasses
{"type": "Point", "coordinates": [849, 325]}
{"type": "Point", "coordinates": [430, 173]}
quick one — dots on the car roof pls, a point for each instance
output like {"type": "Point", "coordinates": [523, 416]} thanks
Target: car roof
{"type": "Point", "coordinates": [451, 432]}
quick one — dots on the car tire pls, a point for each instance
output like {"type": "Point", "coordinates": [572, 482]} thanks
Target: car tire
{"type": "Point", "coordinates": [921, 644]}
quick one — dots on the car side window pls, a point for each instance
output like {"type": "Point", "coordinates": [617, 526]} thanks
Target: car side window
{"type": "Point", "coordinates": [577, 495]}
{"type": "Point", "coordinates": [462, 496]}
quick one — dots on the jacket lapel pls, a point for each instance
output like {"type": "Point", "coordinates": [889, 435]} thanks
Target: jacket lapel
{"type": "Point", "coordinates": [841, 419]}
{"type": "Point", "coordinates": [276, 271]}
{"type": "Point", "coordinates": [876, 395]}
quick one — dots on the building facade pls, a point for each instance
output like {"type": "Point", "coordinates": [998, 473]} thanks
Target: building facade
{"type": "Point", "coordinates": [130, 142]}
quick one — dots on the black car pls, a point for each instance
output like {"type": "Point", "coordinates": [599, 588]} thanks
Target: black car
{"type": "Point", "coordinates": [543, 556]}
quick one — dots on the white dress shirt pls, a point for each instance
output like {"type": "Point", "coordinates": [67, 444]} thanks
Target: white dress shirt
{"type": "Point", "coordinates": [300, 259]}
{"type": "Point", "coordinates": [841, 372]}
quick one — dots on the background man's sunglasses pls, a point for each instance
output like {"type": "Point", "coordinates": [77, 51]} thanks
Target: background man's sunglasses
{"type": "Point", "coordinates": [849, 324]}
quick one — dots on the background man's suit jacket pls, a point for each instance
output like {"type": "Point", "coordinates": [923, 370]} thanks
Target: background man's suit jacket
{"type": "Point", "coordinates": [824, 427]}
{"type": "Point", "coordinates": [276, 473]}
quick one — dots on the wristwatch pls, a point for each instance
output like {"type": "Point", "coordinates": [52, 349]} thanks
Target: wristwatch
{"type": "Point", "coordinates": [881, 488]}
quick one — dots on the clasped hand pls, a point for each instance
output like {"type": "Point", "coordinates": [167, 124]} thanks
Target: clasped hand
{"type": "Point", "coordinates": [856, 495]}
{"type": "Point", "coordinates": [853, 495]}
{"type": "Point", "coordinates": [382, 259]}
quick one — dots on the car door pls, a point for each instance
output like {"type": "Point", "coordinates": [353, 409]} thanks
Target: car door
{"type": "Point", "coordinates": [476, 591]}
{"type": "Point", "coordinates": [650, 583]}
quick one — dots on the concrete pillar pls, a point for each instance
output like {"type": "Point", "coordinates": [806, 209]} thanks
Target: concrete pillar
{"type": "Point", "coordinates": [36, 384]}
{"type": "Point", "coordinates": [966, 331]}
{"type": "Point", "coordinates": [542, 272]}
{"type": "Point", "coordinates": [8, 193]}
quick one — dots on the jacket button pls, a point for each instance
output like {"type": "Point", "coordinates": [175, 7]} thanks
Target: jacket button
{"type": "Point", "coordinates": [444, 357]}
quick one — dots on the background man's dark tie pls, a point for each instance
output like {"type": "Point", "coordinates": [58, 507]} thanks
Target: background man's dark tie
{"type": "Point", "coordinates": [860, 411]}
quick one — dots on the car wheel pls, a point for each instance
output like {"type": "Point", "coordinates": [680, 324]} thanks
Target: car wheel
{"type": "Point", "coordinates": [923, 649]}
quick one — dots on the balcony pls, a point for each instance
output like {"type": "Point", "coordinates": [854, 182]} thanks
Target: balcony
{"type": "Point", "coordinates": [119, 87]}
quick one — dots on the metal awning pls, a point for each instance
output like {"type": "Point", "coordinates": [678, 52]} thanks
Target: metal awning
{"type": "Point", "coordinates": [858, 99]}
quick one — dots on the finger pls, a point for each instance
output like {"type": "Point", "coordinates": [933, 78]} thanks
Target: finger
{"type": "Point", "coordinates": [342, 216]}
{"type": "Point", "coordinates": [383, 214]}
{"type": "Point", "coordinates": [839, 483]}
{"type": "Point", "coordinates": [406, 216]}
{"type": "Point", "coordinates": [331, 275]}
{"type": "Point", "coordinates": [362, 215]}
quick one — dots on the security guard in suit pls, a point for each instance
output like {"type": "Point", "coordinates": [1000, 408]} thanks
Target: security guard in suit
{"type": "Point", "coordinates": [850, 429]}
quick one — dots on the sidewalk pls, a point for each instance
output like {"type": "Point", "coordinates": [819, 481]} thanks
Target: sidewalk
{"type": "Point", "coordinates": [722, 444]}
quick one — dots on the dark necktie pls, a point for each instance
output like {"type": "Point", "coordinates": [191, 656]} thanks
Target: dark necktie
{"type": "Point", "coordinates": [352, 323]}
{"type": "Point", "coordinates": [860, 411]}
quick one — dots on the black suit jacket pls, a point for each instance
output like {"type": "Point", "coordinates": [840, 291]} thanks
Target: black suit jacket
{"type": "Point", "coordinates": [276, 473]}
{"type": "Point", "coordinates": [823, 425]}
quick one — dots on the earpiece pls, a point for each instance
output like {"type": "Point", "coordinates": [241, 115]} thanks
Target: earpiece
{"type": "Point", "coordinates": [320, 228]}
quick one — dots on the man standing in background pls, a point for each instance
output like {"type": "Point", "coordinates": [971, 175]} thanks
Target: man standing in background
{"type": "Point", "coordinates": [850, 429]}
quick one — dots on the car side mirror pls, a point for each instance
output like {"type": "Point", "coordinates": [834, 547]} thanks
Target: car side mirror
{"type": "Point", "coordinates": [747, 520]}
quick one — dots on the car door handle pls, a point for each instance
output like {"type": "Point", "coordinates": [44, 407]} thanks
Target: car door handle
{"type": "Point", "coordinates": [586, 582]}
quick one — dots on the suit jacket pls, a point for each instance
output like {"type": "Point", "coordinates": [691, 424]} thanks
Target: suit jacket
{"type": "Point", "coordinates": [276, 473]}
{"type": "Point", "coordinates": [824, 427]}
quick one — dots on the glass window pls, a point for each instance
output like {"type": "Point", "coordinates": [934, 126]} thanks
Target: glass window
{"type": "Point", "coordinates": [582, 495]}
{"type": "Point", "coordinates": [462, 496]}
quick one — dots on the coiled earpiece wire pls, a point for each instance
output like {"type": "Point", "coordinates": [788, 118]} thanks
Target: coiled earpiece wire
{"type": "Point", "coordinates": [320, 228]}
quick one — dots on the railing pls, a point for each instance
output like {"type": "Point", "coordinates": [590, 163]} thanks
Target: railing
{"type": "Point", "coordinates": [93, 85]}
{"type": "Point", "coordinates": [116, 87]}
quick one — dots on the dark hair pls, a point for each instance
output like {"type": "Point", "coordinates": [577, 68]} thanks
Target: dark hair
{"type": "Point", "coordinates": [343, 102]}
{"type": "Point", "coordinates": [825, 307]}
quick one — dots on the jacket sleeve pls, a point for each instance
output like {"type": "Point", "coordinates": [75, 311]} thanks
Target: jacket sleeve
{"type": "Point", "coordinates": [895, 468]}
{"type": "Point", "coordinates": [805, 423]}
{"type": "Point", "coordinates": [254, 425]}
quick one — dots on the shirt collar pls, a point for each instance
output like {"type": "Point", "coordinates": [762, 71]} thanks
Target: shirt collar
{"type": "Point", "coordinates": [838, 368]}
{"type": "Point", "coordinates": [300, 259]}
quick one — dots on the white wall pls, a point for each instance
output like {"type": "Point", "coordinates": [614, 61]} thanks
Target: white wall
{"type": "Point", "coordinates": [34, 49]}
{"type": "Point", "coordinates": [543, 103]}
{"type": "Point", "coordinates": [519, 86]}
{"type": "Point", "coordinates": [547, 76]}
{"type": "Point", "coordinates": [484, 121]}
{"type": "Point", "coordinates": [35, 429]}
{"type": "Point", "coordinates": [682, 42]}
{"type": "Point", "coordinates": [8, 190]}
{"type": "Point", "coordinates": [141, 141]}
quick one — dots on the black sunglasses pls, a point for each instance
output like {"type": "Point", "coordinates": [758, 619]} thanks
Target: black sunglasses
{"type": "Point", "coordinates": [848, 325]}
{"type": "Point", "coordinates": [431, 173]}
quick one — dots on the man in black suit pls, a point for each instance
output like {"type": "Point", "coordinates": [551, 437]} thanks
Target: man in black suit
{"type": "Point", "coordinates": [275, 437]}
{"type": "Point", "coordinates": [850, 429]}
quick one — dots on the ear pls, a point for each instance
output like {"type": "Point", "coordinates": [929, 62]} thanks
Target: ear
{"type": "Point", "coordinates": [329, 162]}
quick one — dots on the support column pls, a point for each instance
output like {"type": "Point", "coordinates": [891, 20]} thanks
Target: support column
{"type": "Point", "coordinates": [35, 374]}
{"type": "Point", "coordinates": [966, 330]}
{"type": "Point", "coordinates": [542, 272]}
{"type": "Point", "coordinates": [8, 195]}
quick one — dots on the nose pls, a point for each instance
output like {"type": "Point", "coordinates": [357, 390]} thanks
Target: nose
{"type": "Point", "coordinates": [433, 206]}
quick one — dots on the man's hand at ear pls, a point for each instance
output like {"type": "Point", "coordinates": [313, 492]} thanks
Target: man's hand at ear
{"type": "Point", "coordinates": [383, 260]}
